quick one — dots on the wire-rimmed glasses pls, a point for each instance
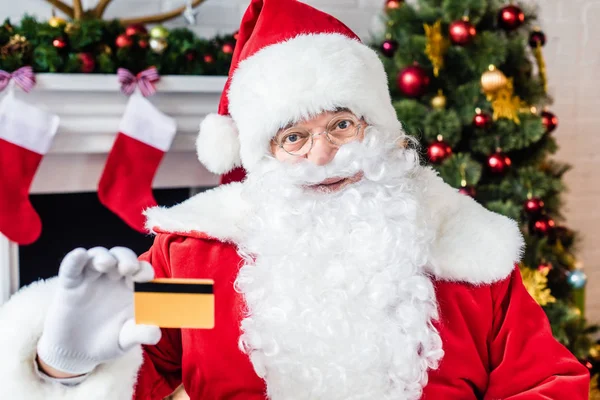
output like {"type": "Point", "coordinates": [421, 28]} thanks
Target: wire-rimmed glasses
{"type": "Point", "coordinates": [298, 141]}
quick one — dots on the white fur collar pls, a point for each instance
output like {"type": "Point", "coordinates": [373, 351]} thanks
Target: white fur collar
{"type": "Point", "coordinates": [472, 244]}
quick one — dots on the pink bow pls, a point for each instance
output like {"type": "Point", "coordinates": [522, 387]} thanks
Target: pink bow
{"type": "Point", "coordinates": [23, 77]}
{"type": "Point", "coordinates": [145, 80]}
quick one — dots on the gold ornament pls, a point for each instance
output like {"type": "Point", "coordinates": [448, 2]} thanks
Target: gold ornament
{"type": "Point", "coordinates": [104, 48]}
{"type": "Point", "coordinates": [439, 101]}
{"type": "Point", "coordinates": [536, 283]}
{"type": "Point", "coordinates": [436, 46]}
{"type": "Point", "coordinates": [506, 104]}
{"type": "Point", "coordinates": [493, 80]}
{"type": "Point", "coordinates": [158, 45]}
{"type": "Point", "coordinates": [71, 28]}
{"type": "Point", "coordinates": [159, 32]}
{"type": "Point", "coordinates": [16, 44]}
{"type": "Point", "coordinates": [56, 22]}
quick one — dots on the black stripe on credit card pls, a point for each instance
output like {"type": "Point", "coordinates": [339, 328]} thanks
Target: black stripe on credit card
{"type": "Point", "coordinates": [202, 288]}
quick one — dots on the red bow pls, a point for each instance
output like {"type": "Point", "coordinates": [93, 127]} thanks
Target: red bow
{"type": "Point", "coordinates": [145, 80]}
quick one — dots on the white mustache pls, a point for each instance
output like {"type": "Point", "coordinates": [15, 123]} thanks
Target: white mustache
{"type": "Point", "coordinates": [365, 156]}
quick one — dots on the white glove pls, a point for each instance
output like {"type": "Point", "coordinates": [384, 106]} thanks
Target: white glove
{"type": "Point", "coordinates": [90, 320]}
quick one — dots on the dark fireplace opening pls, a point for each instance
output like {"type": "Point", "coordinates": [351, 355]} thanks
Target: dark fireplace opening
{"type": "Point", "coordinates": [79, 220]}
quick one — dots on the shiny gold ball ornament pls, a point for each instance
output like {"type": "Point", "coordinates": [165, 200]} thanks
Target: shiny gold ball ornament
{"type": "Point", "coordinates": [492, 80]}
{"type": "Point", "coordinates": [439, 101]}
{"type": "Point", "coordinates": [57, 22]}
{"type": "Point", "coordinates": [159, 32]}
{"type": "Point", "coordinates": [158, 45]}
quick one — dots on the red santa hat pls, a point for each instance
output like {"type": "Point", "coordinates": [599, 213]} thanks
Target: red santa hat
{"type": "Point", "coordinates": [291, 62]}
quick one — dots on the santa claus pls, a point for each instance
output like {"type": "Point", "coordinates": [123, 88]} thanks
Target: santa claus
{"type": "Point", "coordinates": [343, 268]}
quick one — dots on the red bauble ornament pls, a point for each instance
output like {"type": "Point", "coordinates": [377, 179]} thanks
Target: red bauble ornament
{"type": "Point", "coordinates": [136, 29]}
{"type": "Point", "coordinates": [227, 48]}
{"type": "Point", "coordinates": [59, 43]}
{"type": "Point", "coordinates": [536, 38]}
{"type": "Point", "coordinates": [389, 47]}
{"type": "Point", "coordinates": [236, 35]}
{"type": "Point", "coordinates": [511, 17]}
{"type": "Point", "coordinates": [462, 32]}
{"type": "Point", "coordinates": [438, 151]}
{"type": "Point", "coordinates": [543, 225]}
{"type": "Point", "coordinates": [482, 120]}
{"type": "Point", "coordinates": [498, 162]}
{"type": "Point", "coordinates": [413, 81]}
{"type": "Point", "coordinates": [392, 4]}
{"type": "Point", "coordinates": [88, 64]}
{"type": "Point", "coordinates": [208, 59]}
{"type": "Point", "coordinates": [533, 205]}
{"type": "Point", "coordinates": [143, 44]}
{"type": "Point", "coordinates": [190, 56]}
{"type": "Point", "coordinates": [123, 41]}
{"type": "Point", "coordinates": [467, 191]}
{"type": "Point", "coordinates": [549, 120]}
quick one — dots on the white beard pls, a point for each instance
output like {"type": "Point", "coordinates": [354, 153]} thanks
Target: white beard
{"type": "Point", "coordinates": [338, 303]}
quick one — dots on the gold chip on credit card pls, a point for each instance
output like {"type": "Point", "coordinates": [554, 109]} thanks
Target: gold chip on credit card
{"type": "Point", "coordinates": [175, 303]}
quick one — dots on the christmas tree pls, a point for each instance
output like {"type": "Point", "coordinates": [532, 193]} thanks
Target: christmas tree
{"type": "Point", "coordinates": [468, 79]}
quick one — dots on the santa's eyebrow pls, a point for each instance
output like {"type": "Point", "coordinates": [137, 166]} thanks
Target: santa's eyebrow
{"type": "Point", "coordinates": [335, 110]}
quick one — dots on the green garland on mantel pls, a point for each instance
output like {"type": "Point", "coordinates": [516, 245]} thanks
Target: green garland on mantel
{"type": "Point", "coordinates": [101, 46]}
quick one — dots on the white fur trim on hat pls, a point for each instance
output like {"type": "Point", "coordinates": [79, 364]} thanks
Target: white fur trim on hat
{"type": "Point", "coordinates": [301, 77]}
{"type": "Point", "coordinates": [218, 145]}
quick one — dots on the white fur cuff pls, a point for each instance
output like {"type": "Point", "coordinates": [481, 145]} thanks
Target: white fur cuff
{"type": "Point", "coordinates": [21, 324]}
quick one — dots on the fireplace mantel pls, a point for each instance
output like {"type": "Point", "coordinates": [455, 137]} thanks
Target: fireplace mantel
{"type": "Point", "coordinates": [90, 108]}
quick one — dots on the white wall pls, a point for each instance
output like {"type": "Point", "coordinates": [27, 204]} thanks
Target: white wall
{"type": "Point", "coordinates": [573, 59]}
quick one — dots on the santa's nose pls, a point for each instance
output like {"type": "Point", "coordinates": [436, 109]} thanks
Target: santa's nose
{"type": "Point", "coordinates": [322, 152]}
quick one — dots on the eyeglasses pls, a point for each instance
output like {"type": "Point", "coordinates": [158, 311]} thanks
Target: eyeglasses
{"type": "Point", "coordinates": [341, 129]}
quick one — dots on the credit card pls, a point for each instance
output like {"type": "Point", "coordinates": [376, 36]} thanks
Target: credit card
{"type": "Point", "coordinates": [175, 303]}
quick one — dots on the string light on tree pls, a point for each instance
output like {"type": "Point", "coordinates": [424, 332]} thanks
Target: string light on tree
{"type": "Point", "coordinates": [438, 151]}
{"type": "Point", "coordinates": [482, 120]}
{"type": "Point", "coordinates": [209, 59]}
{"type": "Point", "coordinates": [462, 32]}
{"type": "Point", "coordinates": [511, 17]}
{"type": "Point", "coordinates": [498, 162]}
{"type": "Point", "coordinates": [413, 81]}
{"type": "Point", "coordinates": [389, 47]}
{"type": "Point", "coordinates": [549, 120]}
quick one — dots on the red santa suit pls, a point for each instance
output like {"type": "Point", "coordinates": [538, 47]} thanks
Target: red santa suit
{"type": "Point", "coordinates": [432, 308]}
{"type": "Point", "coordinates": [496, 339]}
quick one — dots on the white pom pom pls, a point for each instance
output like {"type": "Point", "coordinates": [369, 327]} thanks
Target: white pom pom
{"type": "Point", "coordinates": [218, 145]}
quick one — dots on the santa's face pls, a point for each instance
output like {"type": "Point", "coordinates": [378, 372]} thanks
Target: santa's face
{"type": "Point", "coordinates": [317, 140]}
{"type": "Point", "coordinates": [338, 303]}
